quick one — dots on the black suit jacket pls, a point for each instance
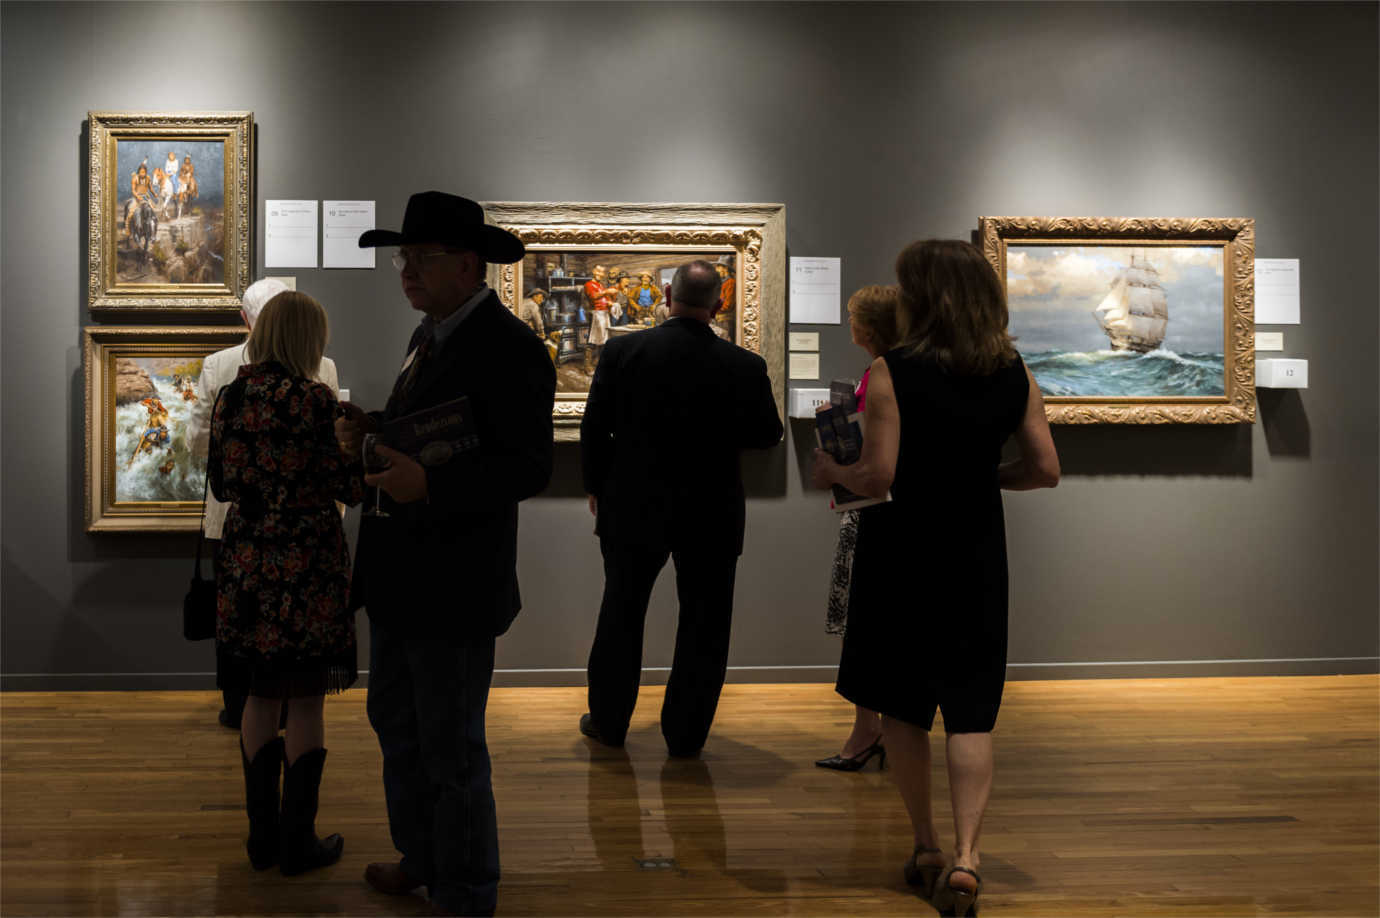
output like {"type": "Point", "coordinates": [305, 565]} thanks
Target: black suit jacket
{"type": "Point", "coordinates": [669, 411]}
{"type": "Point", "coordinates": [447, 565]}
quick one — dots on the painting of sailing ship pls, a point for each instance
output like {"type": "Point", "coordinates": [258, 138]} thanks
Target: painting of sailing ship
{"type": "Point", "coordinates": [1119, 320]}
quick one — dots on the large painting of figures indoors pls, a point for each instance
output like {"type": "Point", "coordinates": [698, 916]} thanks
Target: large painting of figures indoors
{"type": "Point", "coordinates": [577, 301]}
{"type": "Point", "coordinates": [1131, 324]}
{"type": "Point", "coordinates": [147, 425]}
{"type": "Point", "coordinates": [596, 272]}
{"type": "Point", "coordinates": [170, 216]}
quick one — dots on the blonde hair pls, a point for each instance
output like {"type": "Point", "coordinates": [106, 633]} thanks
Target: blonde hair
{"type": "Point", "coordinates": [874, 309]}
{"type": "Point", "coordinates": [953, 307]}
{"type": "Point", "coordinates": [292, 330]}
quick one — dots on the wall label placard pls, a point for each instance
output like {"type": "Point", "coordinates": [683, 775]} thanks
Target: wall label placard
{"type": "Point", "coordinates": [1276, 291]}
{"type": "Point", "coordinates": [815, 287]}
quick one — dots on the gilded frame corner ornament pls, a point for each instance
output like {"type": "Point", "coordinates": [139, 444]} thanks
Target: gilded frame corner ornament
{"type": "Point", "coordinates": [106, 292]}
{"type": "Point", "coordinates": [1236, 236]}
{"type": "Point", "coordinates": [754, 233]}
{"type": "Point", "coordinates": [102, 346]}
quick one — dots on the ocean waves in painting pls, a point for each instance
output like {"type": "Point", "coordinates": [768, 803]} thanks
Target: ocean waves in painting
{"type": "Point", "coordinates": [1107, 373]}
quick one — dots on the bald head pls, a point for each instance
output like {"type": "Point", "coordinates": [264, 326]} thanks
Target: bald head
{"type": "Point", "coordinates": [695, 286]}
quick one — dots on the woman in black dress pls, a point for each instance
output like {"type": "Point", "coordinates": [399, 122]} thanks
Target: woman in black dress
{"type": "Point", "coordinates": [283, 573]}
{"type": "Point", "coordinates": [927, 611]}
{"type": "Point", "coordinates": [872, 323]}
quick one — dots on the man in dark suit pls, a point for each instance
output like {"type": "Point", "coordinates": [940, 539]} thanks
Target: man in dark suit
{"type": "Point", "coordinates": [438, 574]}
{"type": "Point", "coordinates": [669, 411]}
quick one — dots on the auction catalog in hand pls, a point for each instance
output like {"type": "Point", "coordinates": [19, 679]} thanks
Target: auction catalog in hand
{"type": "Point", "coordinates": [839, 430]}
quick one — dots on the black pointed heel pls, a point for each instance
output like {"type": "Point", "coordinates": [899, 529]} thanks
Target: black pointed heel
{"type": "Point", "coordinates": [856, 762]}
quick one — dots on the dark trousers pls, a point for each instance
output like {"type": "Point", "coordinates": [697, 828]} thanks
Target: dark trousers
{"type": "Point", "coordinates": [427, 698]}
{"type": "Point", "coordinates": [704, 585]}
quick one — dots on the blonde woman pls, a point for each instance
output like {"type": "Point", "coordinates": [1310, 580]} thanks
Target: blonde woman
{"type": "Point", "coordinates": [927, 612]}
{"type": "Point", "coordinates": [872, 321]}
{"type": "Point", "coordinates": [283, 573]}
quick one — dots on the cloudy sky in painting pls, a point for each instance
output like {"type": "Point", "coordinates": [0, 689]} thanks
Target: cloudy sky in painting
{"type": "Point", "coordinates": [1052, 291]}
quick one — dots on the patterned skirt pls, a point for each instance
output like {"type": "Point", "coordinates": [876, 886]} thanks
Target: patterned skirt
{"type": "Point", "coordinates": [841, 579]}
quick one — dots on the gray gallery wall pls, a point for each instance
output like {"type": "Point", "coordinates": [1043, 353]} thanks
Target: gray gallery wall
{"type": "Point", "coordinates": [1245, 547]}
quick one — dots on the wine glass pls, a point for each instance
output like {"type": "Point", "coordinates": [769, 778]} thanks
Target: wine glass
{"type": "Point", "coordinates": [374, 463]}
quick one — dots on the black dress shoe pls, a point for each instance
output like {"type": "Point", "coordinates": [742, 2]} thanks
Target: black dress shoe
{"type": "Point", "coordinates": [855, 762]}
{"type": "Point", "coordinates": [226, 720]}
{"type": "Point", "coordinates": [390, 879]}
{"type": "Point", "coordinates": [588, 729]}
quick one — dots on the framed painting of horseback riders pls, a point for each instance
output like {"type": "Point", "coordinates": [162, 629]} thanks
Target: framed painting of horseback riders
{"type": "Point", "coordinates": [171, 197]}
{"type": "Point", "coordinates": [1127, 320]}
{"type": "Point", "coordinates": [595, 272]}
{"type": "Point", "coordinates": [147, 426]}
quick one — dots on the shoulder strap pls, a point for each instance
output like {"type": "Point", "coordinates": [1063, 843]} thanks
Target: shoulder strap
{"type": "Point", "coordinates": [206, 482]}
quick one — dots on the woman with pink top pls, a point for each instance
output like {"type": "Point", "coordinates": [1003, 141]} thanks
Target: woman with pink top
{"type": "Point", "coordinates": [872, 320]}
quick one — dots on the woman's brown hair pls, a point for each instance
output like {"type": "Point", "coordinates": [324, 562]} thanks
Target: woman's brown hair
{"type": "Point", "coordinates": [953, 307]}
{"type": "Point", "coordinates": [291, 330]}
{"type": "Point", "coordinates": [875, 309]}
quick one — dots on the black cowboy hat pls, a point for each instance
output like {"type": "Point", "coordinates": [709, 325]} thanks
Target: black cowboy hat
{"type": "Point", "coordinates": [448, 219]}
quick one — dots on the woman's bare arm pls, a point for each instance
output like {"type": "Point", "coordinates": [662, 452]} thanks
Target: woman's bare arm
{"type": "Point", "coordinates": [871, 475]}
{"type": "Point", "coordinates": [1038, 466]}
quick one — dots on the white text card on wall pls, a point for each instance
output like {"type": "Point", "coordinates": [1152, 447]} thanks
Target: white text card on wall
{"type": "Point", "coordinates": [290, 234]}
{"type": "Point", "coordinates": [1277, 291]}
{"type": "Point", "coordinates": [342, 223]}
{"type": "Point", "coordinates": [815, 286]}
{"type": "Point", "coordinates": [804, 366]}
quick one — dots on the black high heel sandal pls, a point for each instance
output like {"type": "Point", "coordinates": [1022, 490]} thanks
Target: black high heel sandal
{"type": "Point", "coordinates": [856, 762]}
{"type": "Point", "coordinates": [923, 876]}
{"type": "Point", "coordinates": [957, 902]}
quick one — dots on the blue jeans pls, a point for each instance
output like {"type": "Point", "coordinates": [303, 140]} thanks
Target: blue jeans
{"type": "Point", "coordinates": [427, 698]}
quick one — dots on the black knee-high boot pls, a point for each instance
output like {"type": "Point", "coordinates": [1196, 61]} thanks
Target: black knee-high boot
{"type": "Point", "coordinates": [299, 849]}
{"type": "Point", "coordinates": [261, 802]}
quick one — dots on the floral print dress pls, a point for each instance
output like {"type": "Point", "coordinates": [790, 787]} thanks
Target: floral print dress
{"type": "Point", "coordinates": [284, 564]}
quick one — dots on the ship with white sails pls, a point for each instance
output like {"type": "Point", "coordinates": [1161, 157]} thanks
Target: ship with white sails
{"type": "Point", "coordinates": [1134, 313]}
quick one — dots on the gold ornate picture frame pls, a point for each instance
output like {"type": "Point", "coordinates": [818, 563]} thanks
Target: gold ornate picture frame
{"type": "Point", "coordinates": [145, 427]}
{"type": "Point", "coordinates": [587, 258]}
{"type": "Point", "coordinates": [1128, 320]}
{"type": "Point", "coordinates": [170, 211]}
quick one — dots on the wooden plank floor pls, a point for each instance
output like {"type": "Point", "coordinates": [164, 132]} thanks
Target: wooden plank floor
{"type": "Point", "coordinates": [1135, 797]}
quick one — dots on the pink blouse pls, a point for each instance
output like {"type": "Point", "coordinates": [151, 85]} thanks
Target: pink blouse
{"type": "Point", "coordinates": [861, 392]}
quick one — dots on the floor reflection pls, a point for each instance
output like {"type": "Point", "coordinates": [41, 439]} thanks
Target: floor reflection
{"type": "Point", "coordinates": [631, 827]}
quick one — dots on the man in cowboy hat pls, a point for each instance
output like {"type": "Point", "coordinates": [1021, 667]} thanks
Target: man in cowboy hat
{"type": "Point", "coordinates": [438, 573]}
{"type": "Point", "coordinates": [530, 311]}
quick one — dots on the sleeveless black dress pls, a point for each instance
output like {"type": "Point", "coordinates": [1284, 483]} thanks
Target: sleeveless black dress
{"type": "Point", "coordinates": [927, 606]}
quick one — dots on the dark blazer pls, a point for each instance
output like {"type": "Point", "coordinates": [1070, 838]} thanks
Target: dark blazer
{"type": "Point", "coordinates": [669, 411]}
{"type": "Point", "coordinates": [447, 565]}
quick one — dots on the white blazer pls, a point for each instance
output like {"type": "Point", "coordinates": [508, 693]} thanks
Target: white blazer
{"type": "Point", "coordinates": [217, 371]}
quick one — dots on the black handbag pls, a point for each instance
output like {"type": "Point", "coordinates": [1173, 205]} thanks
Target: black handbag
{"type": "Point", "coordinates": [199, 605]}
